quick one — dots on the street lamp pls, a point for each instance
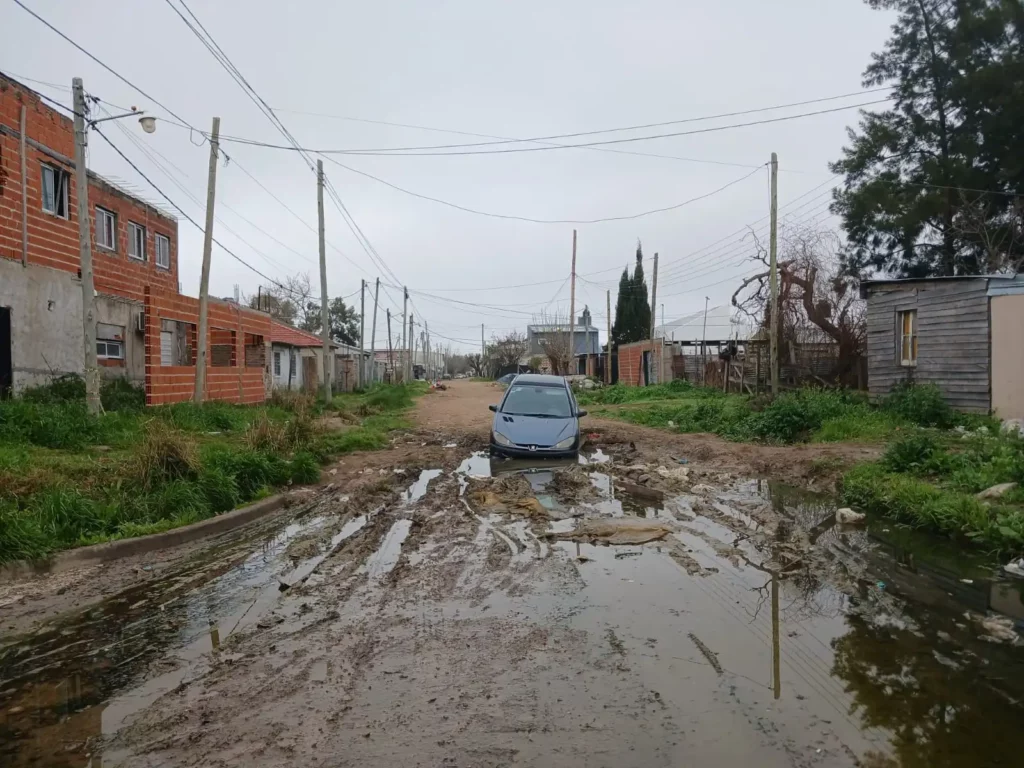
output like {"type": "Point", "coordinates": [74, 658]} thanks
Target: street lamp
{"type": "Point", "coordinates": [92, 371]}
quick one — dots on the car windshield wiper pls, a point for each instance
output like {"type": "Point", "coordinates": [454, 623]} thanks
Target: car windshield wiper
{"type": "Point", "coordinates": [536, 415]}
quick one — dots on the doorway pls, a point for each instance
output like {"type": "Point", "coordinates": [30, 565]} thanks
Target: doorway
{"type": "Point", "coordinates": [6, 362]}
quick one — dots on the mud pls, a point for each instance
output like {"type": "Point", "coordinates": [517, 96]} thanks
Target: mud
{"type": "Point", "coordinates": [419, 627]}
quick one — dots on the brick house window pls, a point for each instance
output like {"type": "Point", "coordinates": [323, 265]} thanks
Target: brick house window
{"type": "Point", "coordinates": [106, 229]}
{"type": "Point", "coordinates": [908, 337]}
{"type": "Point", "coordinates": [277, 363]}
{"type": "Point", "coordinates": [136, 241]}
{"type": "Point", "coordinates": [163, 251]}
{"type": "Point", "coordinates": [55, 191]}
{"type": "Point", "coordinates": [109, 341]}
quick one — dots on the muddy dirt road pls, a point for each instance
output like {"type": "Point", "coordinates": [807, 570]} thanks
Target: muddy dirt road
{"type": "Point", "coordinates": [437, 608]}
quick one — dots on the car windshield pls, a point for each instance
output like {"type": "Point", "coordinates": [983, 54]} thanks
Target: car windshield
{"type": "Point", "coordinates": [527, 400]}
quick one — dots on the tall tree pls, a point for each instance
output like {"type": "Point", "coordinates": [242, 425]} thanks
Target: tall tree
{"type": "Point", "coordinates": [344, 321]}
{"type": "Point", "coordinates": [632, 305]}
{"type": "Point", "coordinates": [930, 183]}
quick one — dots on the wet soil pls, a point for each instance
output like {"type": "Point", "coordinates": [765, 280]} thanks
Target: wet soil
{"type": "Point", "coordinates": [446, 609]}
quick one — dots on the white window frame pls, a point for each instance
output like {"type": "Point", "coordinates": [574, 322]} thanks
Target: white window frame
{"type": "Point", "coordinates": [60, 190]}
{"type": "Point", "coordinates": [162, 254]}
{"type": "Point", "coordinates": [277, 364]}
{"type": "Point", "coordinates": [103, 216]}
{"type": "Point", "coordinates": [907, 339]}
{"type": "Point", "coordinates": [134, 233]}
{"type": "Point", "coordinates": [109, 349]}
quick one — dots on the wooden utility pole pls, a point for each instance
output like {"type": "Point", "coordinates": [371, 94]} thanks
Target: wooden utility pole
{"type": "Point", "coordinates": [204, 280]}
{"type": "Point", "coordinates": [405, 319]}
{"type": "Point", "coordinates": [325, 315]}
{"type": "Point", "coordinates": [773, 267]}
{"type": "Point", "coordinates": [91, 366]}
{"type": "Point", "coordinates": [411, 351]}
{"type": "Point", "coordinates": [572, 309]}
{"type": "Point", "coordinates": [373, 335]}
{"type": "Point", "coordinates": [704, 345]}
{"type": "Point", "coordinates": [426, 350]}
{"type": "Point", "coordinates": [608, 361]}
{"type": "Point", "coordinates": [362, 334]}
{"type": "Point", "coordinates": [654, 295]}
{"type": "Point", "coordinates": [391, 356]}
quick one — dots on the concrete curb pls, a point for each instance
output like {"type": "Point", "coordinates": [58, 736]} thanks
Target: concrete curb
{"type": "Point", "coordinates": [115, 550]}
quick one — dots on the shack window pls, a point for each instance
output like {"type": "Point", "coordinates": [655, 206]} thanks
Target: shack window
{"type": "Point", "coordinates": [908, 337]}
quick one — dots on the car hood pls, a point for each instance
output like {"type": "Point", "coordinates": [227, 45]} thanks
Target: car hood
{"type": "Point", "coordinates": [531, 430]}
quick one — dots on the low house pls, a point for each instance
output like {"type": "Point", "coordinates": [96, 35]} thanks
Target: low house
{"type": "Point", "coordinates": [538, 336]}
{"type": "Point", "coordinates": [294, 358]}
{"type": "Point", "coordinates": [962, 334]}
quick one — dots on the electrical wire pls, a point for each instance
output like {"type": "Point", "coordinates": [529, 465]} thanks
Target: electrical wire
{"type": "Point", "coordinates": [627, 140]}
{"type": "Point", "coordinates": [625, 217]}
{"type": "Point", "coordinates": [109, 69]}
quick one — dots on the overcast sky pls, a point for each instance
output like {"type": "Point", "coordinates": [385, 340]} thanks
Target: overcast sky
{"type": "Point", "coordinates": [522, 69]}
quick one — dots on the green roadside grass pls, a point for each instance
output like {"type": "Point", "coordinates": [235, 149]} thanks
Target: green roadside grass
{"type": "Point", "coordinates": [68, 478]}
{"type": "Point", "coordinates": [935, 462]}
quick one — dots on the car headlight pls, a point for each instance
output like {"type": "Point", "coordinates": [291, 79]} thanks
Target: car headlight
{"type": "Point", "coordinates": [567, 443]}
{"type": "Point", "coordinates": [500, 439]}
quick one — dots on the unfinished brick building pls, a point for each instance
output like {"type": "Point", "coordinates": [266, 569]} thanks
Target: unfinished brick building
{"type": "Point", "coordinates": [135, 262]}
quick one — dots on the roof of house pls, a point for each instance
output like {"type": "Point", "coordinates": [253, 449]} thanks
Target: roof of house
{"type": "Point", "coordinates": [867, 284]}
{"type": "Point", "coordinates": [282, 333]}
{"type": "Point", "coordinates": [558, 328]}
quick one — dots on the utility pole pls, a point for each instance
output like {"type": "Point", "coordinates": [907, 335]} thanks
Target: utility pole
{"type": "Point", "coordinates": [483, 350]}
{"type": "Point", "coordinates": [405, 319]}
{"type": "Point", "coordinates": [608, 361]}
{"type": "Point", "coordinates": [391, 356]}
{"type": "Point", "coordinates": [572, 309]}
{"type": "Point", "coordinates": [654, 295]}
{"type": "Point", "coordinates": [411, 350]}
{"type": "Point", "coordinates": [426, 350]}
{"type": "Point", "coordinates": [373, 335]}
{"type": "Point", "coordinates": [204, 280]}
{"type": "Point", "coordinates": [362, 333]}
{"type": "Point", "coordinates": [774, 277]}
{"type": "Point", "coordinates": [91, 367]}
{"type": "Point", "coordinates": [703, 344]}
{"type": "Point", "coordinates": [325, 316]}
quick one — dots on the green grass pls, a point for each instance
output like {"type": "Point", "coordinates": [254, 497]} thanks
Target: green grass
{"type": "Point", "coordinates": [930, 480]}
{"type": "Point", "coordinates": [68, 478]}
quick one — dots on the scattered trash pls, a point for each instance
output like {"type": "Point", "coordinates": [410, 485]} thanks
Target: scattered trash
{"type": "Point", "coordinates": [966, 581]}
{"type": "Point", "coordinates": [703, 488]}
{"type": "Point", "coordinates": [147, 567]}
{"type": "Point", "coordinates": [996, 491]}
{"type": "Point", "coordinates": [593, 436]}
{"type": "Point", "coordinates": [583, 559]}
{"type": "Point", "coordinates": [671, 424]}
{"type": "Point", "coordinates": [997, 629]}
{"type": "Point", "coordinates": [847, 516]}
{"type": "Point", "coordinates": [881, 585]}
{"type": "Point", "coordinates": [1015, 569]}
{"type": "Point", "coordinates": [619, 530]}
{"type": "Point", "coordinates": [677, 460]}
{"type": "Point", "coordinates": [332, 472]}
{"type": "Point", "coordinates": [621, 555]}
{"type": "Point", "coordinates": [451, 445]}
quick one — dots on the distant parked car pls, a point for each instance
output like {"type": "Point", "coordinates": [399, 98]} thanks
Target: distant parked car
{"type": "Point", "coordinates": [538, 416]}
{"type": "Point", "coordinates": [507, 379]}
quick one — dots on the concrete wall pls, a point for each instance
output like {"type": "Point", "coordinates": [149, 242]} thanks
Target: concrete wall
{"type": "Point", "coordinates": [46, 326]}
{"type": "Point", "coordinates": [46, 322]}
{"type": "Point", "coordinates": [287, 353]}
{"type": "Point", "coordinates": [1007, 356]}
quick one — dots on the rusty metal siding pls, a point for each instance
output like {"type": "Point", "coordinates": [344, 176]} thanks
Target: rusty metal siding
{"type": "Point", "coordinates": [953, 339]}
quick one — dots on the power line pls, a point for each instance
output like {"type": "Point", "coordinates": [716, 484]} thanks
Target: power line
{"type": "Point", "coordinates": [546, 221]}
{"type": "Point", "coordinates": [231, 253]}
{"type": "Point", "coordinates": [606, 142]}
{"type": "Point", "coordinates": [578, 134]}
{"type": "Point", "coordinates": [109, 69]}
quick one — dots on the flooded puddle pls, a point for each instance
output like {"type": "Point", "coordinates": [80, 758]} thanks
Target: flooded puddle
{"type": "Point", "coordinates": [867, 646]}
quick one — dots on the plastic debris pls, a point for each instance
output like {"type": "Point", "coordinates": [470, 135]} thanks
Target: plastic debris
{"type": "Point", "coordinates": [846, 516]}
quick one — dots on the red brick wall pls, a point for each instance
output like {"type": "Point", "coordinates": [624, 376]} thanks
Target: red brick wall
{"type": "Point", "coordinates": [53, 241]}
{"type": "Point", "coordinates": [175, 384]}
{"type": "Point", "coordinates": [631, 362]}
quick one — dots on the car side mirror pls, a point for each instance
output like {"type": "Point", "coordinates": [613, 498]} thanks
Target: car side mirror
{"type": "Point", "coordinates": [493, 408]}
{"type": "Point", "coordinates": [580, 414]}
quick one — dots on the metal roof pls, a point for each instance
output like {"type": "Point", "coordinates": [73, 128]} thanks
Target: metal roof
{"type": "Point", "coordinates": [867, 284]}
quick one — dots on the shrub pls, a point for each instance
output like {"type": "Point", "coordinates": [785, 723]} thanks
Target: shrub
{"type": "Point", "coordinates": [389, 397]}
{"type": "Point", "coordinates": [921, 404]}
{"type": "Point", "coordinates": [251, 470]}
{"type": "Point", "coordinates": [66, 425]}
{"type": "Point", "coordinates": [265, 435]}
{"type": "Point", "coordinates": [21, 535]}
{"type": "Point", "coordinates": [210, 416]}
{"type": "Point", "coordinates": [177, 497]}
{"type": "Point", "coordinates": [786, 419]}
{"type": "Point", "coordinates": [915, 453]}
{"type": "Point", "coordinates": [65, 515]}
{"type": "Point", "coordinates": [121, 395]}
{"type": "Point", "coordinates": [292, 401]}
{"type": "Point", "coordinates": [66, 388]}
{"type": "Point", "coordinates": [305, 469]}
{"type": "Point", "coordinates": [165, 454]}
{"type": "Point", "coordinates": [219, 488]}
